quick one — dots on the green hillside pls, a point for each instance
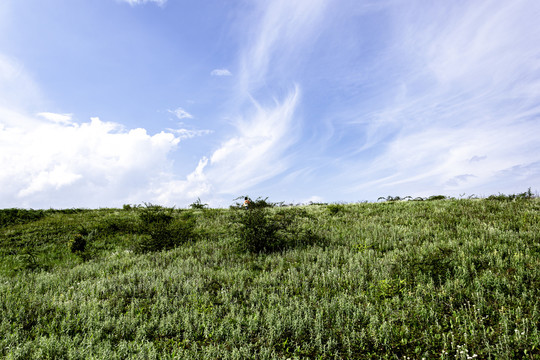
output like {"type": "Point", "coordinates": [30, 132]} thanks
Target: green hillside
{"type": "Point", "coordinates": [440, 279]}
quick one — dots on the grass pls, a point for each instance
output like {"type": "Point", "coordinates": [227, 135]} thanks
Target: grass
{"type": "Point", "coordinates": [439, 279]}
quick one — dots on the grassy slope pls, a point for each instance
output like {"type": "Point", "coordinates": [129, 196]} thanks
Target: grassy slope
{"type": "Point", "coordinates": [433, 279]}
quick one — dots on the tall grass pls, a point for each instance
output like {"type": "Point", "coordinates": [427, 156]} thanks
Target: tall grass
{"type": "Point", "coordinates": [439, 279]}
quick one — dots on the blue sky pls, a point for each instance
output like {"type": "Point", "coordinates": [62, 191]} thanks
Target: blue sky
{"type": "Point", "coordinates": [110, 102]}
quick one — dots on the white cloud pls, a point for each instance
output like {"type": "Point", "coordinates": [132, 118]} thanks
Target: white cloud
{"type": "Point", "coordinates": [57, 118]}
{"type": "Point", "coordinates": [95, 163]}
{"type": "Point", "coordinates": [462, 114]}
{"type": "Point", "coordinates": [221, 72]}
{"type": "Point", "coordinates": [141, 2]}
{"type": "Point", "coordinates": [258, 152]}
{"type": "Point", "coordinates": [281, 30]}
{"type": "Point", "coordinates": [266, 129]}
{"type": "Point", "coordinates": [181, 114]}
{"type": "Point", "coordinates": [188, 134]}
{"type": "Point", "coordinates": [194, 186]}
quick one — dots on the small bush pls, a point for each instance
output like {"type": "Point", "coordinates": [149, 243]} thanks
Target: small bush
{"type": "Point", "coordinates": [436, 197]}
{"type": "Point", "coordinates": [258, 232]}
{"type": "Point", "coordinates": [388, 288]}
{"type": "Point", "coordinates": [333, 209]}
{"type": "Point", "coordinates": [160, 230]}
{"type": "Point", "coordinates": [77, 243]}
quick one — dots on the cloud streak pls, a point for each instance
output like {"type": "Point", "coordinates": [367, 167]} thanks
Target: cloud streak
{"type": "Point", "coordinates": [467, 108]}
{"type": "Point", "coordinates": [264, 130]}
{"type": "Point", "coordinates": [142, 2]}
{"type": "Point", "coordinates": [221, 72]}
{"type": "Point", "coordinates": [181, 114]}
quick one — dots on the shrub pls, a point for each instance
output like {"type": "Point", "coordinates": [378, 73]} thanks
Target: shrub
{"type": "Point", "coordinates": [262, 232]}
{"type": "Point", "coordinates": [394, 198]}
{"type": "Point", "coordinates": [77, 243]}
{"type": "Point", "coordinates": [333, 209]}
{"type": "Point", "coordinates": [160, 230]}
{"type": "Point", "coordinates": [116, 225]}
{"type": "Point", "coordinates": [388, 288]}
{"type": "Point", "coordinates": [436, 197]}
{"type": "Point", "coordinates": [258, 232]}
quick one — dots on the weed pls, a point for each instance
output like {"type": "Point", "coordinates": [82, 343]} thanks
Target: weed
{"type": "Point", "coordinates": [387, 288]}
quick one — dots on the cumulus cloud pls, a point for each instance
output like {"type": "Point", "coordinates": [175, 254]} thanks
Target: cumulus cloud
{"type": "Point", "coordinates": [221, 72]}
{"type": "Point", "coordinates": [195, 185]}
{"type": "Point", "coordinates": [90, 164]}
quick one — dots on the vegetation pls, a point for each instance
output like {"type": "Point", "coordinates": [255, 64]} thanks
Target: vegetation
{"type": "Point", "coordinates": [438, 279]}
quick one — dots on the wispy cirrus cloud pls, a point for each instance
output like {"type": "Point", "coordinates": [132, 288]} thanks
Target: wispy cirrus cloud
{"type": "Point", "coordinates": [57, 118]}
{"type": "Point", "coordinates": [265, 125]}
{"type": "Point", "coordinates": [181, 114]}
{"type": "Point", "coordinates": [220, 72]}
{"type": "Point", "coordinates": [188, 134]}
{"type": "Point", "coordinates": [141, 2]}
{"type": "Point", "coordinates": [281, 31]}
{"type": "Point", "coordinates": [466, 112]}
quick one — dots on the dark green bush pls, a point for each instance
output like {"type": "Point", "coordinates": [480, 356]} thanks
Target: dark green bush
{"type": "Point", "coordinates": [436, 197]}
{"type": "Point", "coordinates": [160, 230]}
{"type": "Point", "coordinates": [333, 209]}
{"type": "Point", "coordinates": [260, 231]}
{"type": "Point", "coordinates": [77, 243]}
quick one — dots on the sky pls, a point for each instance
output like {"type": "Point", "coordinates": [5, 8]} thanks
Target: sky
{"type": "Point", "coordinates": [112, 102]}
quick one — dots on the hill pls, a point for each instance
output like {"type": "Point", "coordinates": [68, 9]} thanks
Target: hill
{"type": "Point", "coordinates": [398, 279]}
